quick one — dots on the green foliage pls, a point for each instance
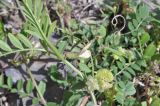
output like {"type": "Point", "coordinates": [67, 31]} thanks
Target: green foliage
{"type": "Point", "coordinates": [108, 62]}
{"type": "Point", "coordinates": [29, 86]}
{"type": "Point", "coordinates": [4, 46]}
{"type": "Point", "coordinates": [20, 85]}
{"type": "Point", "coordinates": [149, 51]}
{"type": "Point", "coordinates": [1, 30]}
{"type": "Point", "coordinates": [145, 38]}
{"type": "Point", "coordinates": [15, 41]}
{"type": "Point", "coordinates": [42, 87]}
{"type": "Point", "coordinates": [55, 76]}
{"type": "Point", "coordinates": [73, 100]}
{"type": "Point", "coordinates": [124, 90]}
{"type": "Point", "coordinates": [84, 68]}
{"type": "Point", "coordinates": [155, 101]}
{"type": "Point", "coordinates": [9, 82]}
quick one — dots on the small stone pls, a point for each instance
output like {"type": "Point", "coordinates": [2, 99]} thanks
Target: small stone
{"type": "Point", "coordinates": [3, 98]}
{"type": "Point", "coordinates": [14, 73]}
{"type": "Point", "coordinates": [6, 104]}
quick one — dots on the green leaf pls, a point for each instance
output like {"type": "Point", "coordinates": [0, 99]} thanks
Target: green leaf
{"type": "Point", "coordinates": [20, 84]}
{"type": "Point", "coordinates": [149, 51]}
{"type": "Point", "coordinates": [55, 76]}
{"type": "Point", "coordinates": [73, 100]}
{"type": "Point", "coordinates": [35, 101]}
{"type": "Point", "coordinates": [1, 80]}
{"type": "Point", "coordinates": [45, 24]}
{"type": "Point", "coordinates": [4, 46]}
{"type": "Point", "coordinates": [1, 30]}
{"type": "Point", "coordinates": [144, 11]}
{"type": "Point", "coordinates": [29, 86]}
{"type": "Point", "coordinates": [9, 82]}
{"type": "Point", "coordinates": [5, 86]}
{"type": "Point", "coordinates": [23, 95]}
{"type": "Point", "coordinates": [135, 23]}
{"type": "Point", "coordinates": [131, 71]}
{"type": "Point", "coordinates": [62, 45]}
{"type": "Point", "coordinates": [120, 65]}
{"type": "Point", "coordinates": [142, 63]}
{"type": "Point", "coordinates": [121, 84]}
{"type": "Point", "coordinates": [136, 67]}
{"type": "Point", "coordinates": [130, 26]}
{"type": "Point", "coordinates": [15, 41]}
{"type": "Point", "coordinates": [144, 103]}
{"type": "Point", "coordinates": [28, 16]}
{"type": "Point", "coordinates": [138, 17]}
{"type": "Point", "coordinates": [13, 90]}
{"type": "Point", "coordinates": [130, 101]}
{"type": "Point", "coordinates": [52, 104]}
{"type": "Point", "coordinates": [130, 89]}
{"type": "Point", "coordinates": [38, 6]}
{"type": "Point", "coordinates": [84, 68]}
{"type": "Point", "coordinates": [30, 3]}
{"type": "Point", "coordinates": [120, 97]}
{"type": "Point", "coordinates": [36, 34]}
{"type": "Point", "coordinates": [25, 40]}
{"type": "Point", "coordinates": [155, 101]}
{"type": "Point", "coordinates": [145, 38]}
{"type": "Point", "coordinates": [42, 87]}
{"type": "Point", "coordinates": [102, 31]}
{"type": "Point", "coordinates": [52, 28]}
{"type": "Point", "coordinates": [126, 88]}
{"type": "Point", "coordinates": [126, 74]}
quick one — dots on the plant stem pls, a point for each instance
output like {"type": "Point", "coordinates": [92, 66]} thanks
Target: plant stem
{"type": "Point", "coordinates": [36, 86]}
{"type": "Point", "coordinates": [50, 45]}
{"type": "Point", "coordinates": [93, 98]}
{"type": "Point", "coordinates": [92, 65]}
{"type": "Point", "coordinates": [124, 69]}
{"type": "Point", "coordinates": [22, 50]}
{"type": "Point", "coordinates": [136, 27]}
{"type": "Point", "coordinates": [140, 45]}
{"type": "Point", "coordinates": [20, 10]}
{"type": "Point", "coordinates": [57, 53]}
{"type": "Point", "coordinates": [75, 69]}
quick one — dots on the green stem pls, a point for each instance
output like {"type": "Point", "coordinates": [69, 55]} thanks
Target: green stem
{"type": "Point", "coordinates": [124, 69]}
{"type": "Point", "coordinates": [93, 98]}
{"type": "Point", "coordinates": [36, 86]}
{"type": "Point", "coordinates": [22, 50]}
{"type": "Point", "coordinates": [136, 27]}
{"type": "Point", "coordinates": [75, 69]}
{"type": "Point", "coordinates": [92, 66]}
{"type": "Point", "coordinates": [140, 45]}
{"type": "Point", "coordinates": [61, 19]}
{"type": "Point", "coordinates": [50, 45]}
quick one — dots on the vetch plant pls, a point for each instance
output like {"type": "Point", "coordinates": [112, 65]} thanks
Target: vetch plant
{"type": "Point", "coordinates": [99, 63]}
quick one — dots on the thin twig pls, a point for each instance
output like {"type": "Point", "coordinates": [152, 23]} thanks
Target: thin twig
{"type": "Point", "coordinates": [36, 86]}
{"type": "Point", "coordinates": [124, 69]}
